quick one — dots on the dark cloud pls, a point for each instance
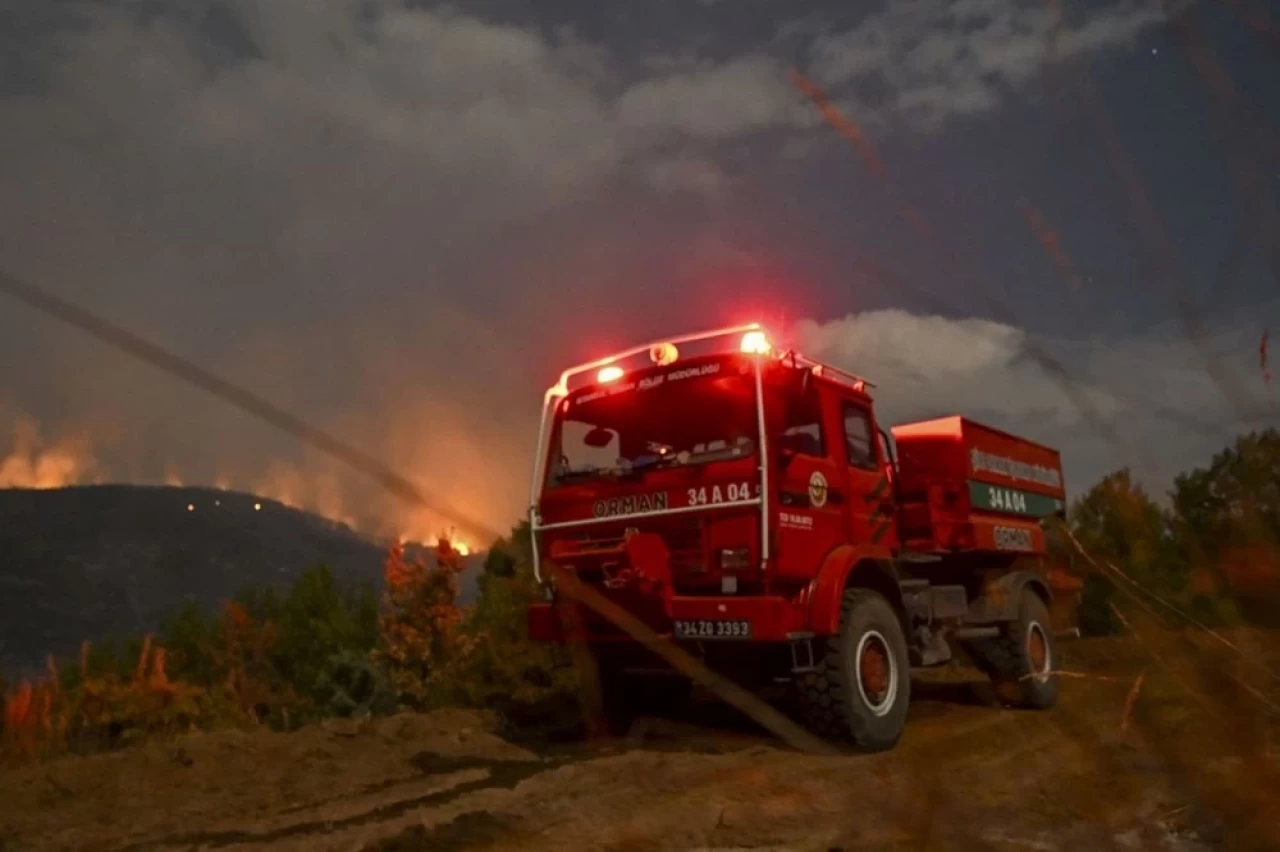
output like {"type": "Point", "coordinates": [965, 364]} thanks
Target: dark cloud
{"type": "Point", "coordinates": [400, 220]}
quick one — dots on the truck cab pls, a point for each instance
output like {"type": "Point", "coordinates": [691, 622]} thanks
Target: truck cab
{"type": "Point", "coordinates": [745, 503]}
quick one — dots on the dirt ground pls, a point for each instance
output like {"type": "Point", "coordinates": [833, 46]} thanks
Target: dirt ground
{"type": "Point", "coordinates": [1186, 758]}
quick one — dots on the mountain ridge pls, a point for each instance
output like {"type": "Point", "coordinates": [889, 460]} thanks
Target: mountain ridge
{"type": "Point", "coordinates": [89, 562]}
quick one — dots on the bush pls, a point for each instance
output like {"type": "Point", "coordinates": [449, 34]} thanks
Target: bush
{"type": "Point", "coordinates": [355, 687]}
{"type": "Point", "coordinates": [265, 657]}
{"type": "Point", "coordinates": [525, 683]}
{"type": "Point", "coordinates": [420, 626]}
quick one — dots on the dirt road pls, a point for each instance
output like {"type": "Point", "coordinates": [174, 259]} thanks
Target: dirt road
{"type": "Point", "coordinates": [1101, 771]}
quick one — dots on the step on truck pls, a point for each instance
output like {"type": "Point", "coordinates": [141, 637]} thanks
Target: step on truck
{"type": "Point", "coordinates": [744, 503]}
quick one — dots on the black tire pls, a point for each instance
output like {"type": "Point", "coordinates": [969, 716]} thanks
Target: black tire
{"type": "Point", "coordinates": [1021, 661]}
{"type": "Point", "coordinates": [841, 701]}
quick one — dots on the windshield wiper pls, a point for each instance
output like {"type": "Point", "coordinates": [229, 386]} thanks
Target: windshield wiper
{"type": "Point", "coordinates": [578, 474]}
{"type": "Point", "coordinates": [649, 462]}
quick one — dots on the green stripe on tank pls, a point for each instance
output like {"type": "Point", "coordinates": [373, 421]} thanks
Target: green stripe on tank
{"type": "Point", "coordinates": [996, 498]}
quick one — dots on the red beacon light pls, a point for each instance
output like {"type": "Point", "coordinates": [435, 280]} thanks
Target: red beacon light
{"type": "Point", "coordinates": [663, 354]}
{"type": "Point", "coordinates": [609, 374]}
{"type": "Point", "coordinates": [756, 343]}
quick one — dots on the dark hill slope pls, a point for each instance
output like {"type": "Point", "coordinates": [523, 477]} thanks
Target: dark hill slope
{"type": "Point", "coordinates": [89, 562]}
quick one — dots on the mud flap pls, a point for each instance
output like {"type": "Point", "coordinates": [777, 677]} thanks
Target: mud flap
{"type": "Point", "coordinates": [1001, 598]}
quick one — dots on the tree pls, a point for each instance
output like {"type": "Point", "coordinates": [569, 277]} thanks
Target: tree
{"type": "Point", "coordinates": [1119, 525]}
{"type": "Point", "coordinates": [420, 624]}
{"type": "Point", "coordinates": [1227, 517]}
{"type": "Point", "coordinates": [317, 623]}
{"type": "Point", "coordinates": [526, 683]}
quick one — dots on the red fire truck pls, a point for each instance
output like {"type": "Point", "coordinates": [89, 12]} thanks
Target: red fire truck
{"type": "Point", "coordinates": [743, 502]}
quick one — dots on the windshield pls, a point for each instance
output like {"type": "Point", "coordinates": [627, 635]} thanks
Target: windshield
{"type": "Point", "coordinates": [668, 420]}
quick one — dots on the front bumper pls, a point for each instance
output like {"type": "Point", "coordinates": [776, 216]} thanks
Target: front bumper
{"type": "Point", "coordinates": [772, 619]}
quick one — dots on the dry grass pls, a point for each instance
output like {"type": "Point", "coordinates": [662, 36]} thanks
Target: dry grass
{"type": "Point", "coordinates": [1186, 761]}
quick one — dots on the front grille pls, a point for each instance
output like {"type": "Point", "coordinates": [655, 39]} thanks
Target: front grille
{"type": "Point", "coordinates": [684, 539]}
{"type": "Point", "coordinates": [695, 568]}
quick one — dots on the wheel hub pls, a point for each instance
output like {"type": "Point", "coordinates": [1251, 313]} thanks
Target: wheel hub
{"type": "Point", "coordinates": [1038, 651]}
{"type": "Point", "coordinates": [876, 673]}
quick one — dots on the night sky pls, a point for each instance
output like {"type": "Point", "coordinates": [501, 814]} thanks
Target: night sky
{"type": "Point", "coordinates": [400, 220]}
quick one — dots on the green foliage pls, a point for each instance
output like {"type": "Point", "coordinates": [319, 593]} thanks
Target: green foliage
{"type": "Point", "coordinates": [189, 634]}
{"type": "Point", "coordinates": [1227, 517]}
{"type": "Point", "coordinates": [1236, 498]}
{"type": "Point", "coordinates": [355, 687]}
{"type": "Point", "coordinates": [315, 623]}
{"type": "Point", "coordinates": [1116, 520]}
{"type": "Point", "coordinates": [312, 624]}
{"type": "Point", "coordinates": [499, 563]}
{"type": "Point", "coordinates": [526, 683]}
{"type": "Point", "coordinates": [1123, 529]}
{"type": "Point", "coordinates": [1214, 554]}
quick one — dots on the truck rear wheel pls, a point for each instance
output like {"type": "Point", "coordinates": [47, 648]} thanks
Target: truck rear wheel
{"type": "Point", "coordinates": [1021, 661]}
{"type": "Point", "coordinates": [862, 687]}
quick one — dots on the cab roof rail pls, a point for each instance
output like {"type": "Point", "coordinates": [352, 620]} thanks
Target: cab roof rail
{"type": "Point", "coordinates": [827, 371]}
{"type": "Point", "coordinates": [562, 387]}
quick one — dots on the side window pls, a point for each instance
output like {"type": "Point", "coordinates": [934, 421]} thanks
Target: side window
{"type": "Point", "coordinates": [802, 425]}
{"type": "Point", "coordinates": [857, 437]}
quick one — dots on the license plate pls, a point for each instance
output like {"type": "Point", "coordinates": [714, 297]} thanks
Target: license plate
{"type": "Point", "coordinates": [715, 629]}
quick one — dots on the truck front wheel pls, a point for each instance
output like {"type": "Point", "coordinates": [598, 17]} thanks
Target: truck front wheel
{"type": "Point", "coordinates": [861, 689]}
{"type": "Point", "coordinates": [1021, 662]}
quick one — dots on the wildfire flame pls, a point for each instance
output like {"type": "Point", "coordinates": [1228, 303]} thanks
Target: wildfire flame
{"type": "Point", "coordinates": [32, 463]}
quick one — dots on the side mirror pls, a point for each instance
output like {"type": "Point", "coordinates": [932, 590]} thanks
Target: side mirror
{"type": "Point", "coordinates": [598, 438]}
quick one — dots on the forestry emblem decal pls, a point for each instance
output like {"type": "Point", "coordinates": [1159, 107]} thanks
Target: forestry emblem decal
{"type": "Point", "coordinates": [817, 490]}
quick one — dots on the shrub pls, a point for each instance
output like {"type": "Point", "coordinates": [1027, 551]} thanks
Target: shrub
{"type": "Point", "coordinates": [355, 687]}
{"type": "Point", "coordinates": [523, 682]}
{"type": "Point", "coordinates": [420, 625]}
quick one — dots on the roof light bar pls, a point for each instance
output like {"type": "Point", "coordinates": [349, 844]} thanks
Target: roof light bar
{"type": "Point", "coordinates": [561, 388]}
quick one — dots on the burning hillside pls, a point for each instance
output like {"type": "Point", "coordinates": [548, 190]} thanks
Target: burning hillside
{"type": "Point", "coordinates": [36, 460]}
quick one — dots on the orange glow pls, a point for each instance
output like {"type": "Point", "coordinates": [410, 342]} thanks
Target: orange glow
{"type": "Point", "coordinates": [434, 541]}
{"type": "Point", "coordinates": [609, 374]}
{"type": "Point", "coordinates": [34, 463]}
{"type": "Point", "coordinates": [306, 489]}
{"type": "Point", "coordinates": [756, 343]}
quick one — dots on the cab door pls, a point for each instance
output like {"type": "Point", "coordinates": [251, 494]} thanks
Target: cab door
{"type": "Point", "coordinates": [872, 511]}
{"type": "Point", "coordinates": [809, 509]}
